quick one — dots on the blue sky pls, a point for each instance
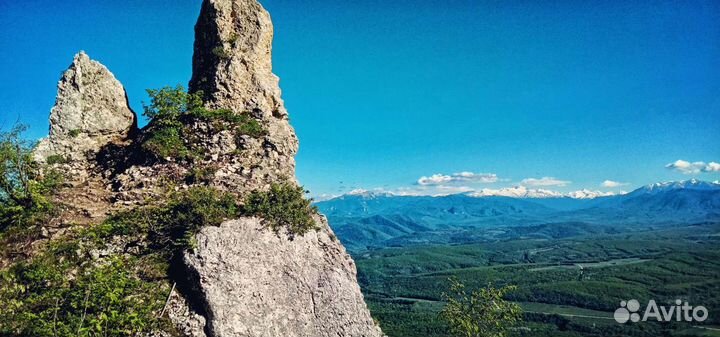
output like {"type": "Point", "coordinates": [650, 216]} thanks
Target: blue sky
{"type": "Point", "coordinates": [383, 93]}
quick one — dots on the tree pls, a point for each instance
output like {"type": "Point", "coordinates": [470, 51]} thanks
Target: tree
{"type": "Point", "coordinates": [17, 169]}
{"type": "Point", "coordinates": [479, 313]}
{"type": "Point", "coordinates": [24, 188]}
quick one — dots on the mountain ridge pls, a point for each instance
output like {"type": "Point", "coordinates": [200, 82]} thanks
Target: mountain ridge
{"type": "Point", "coordinates": [369, 220]}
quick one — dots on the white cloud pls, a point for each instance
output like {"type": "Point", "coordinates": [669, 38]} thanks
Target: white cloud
{"type": "Point", "coordinates": [441, 179]}
{"type": "Point", "coordinates": [435, 179]}
{"type": "Point", "coordinates": [485, 178]}
{"type": "Point", "coordinates": [712, 167]}
{"type": "Point", "coordinates": [687, 167]}
{"type": "Point", "coordinates": [544, 181]}
{"type": "Point", "coordinates": [612, 184]}
{"type": "Point", "coordinates": [524, 192]}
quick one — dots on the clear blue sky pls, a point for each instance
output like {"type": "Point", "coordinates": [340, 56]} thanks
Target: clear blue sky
{"type": "Point", "coordinates": [384, 92]}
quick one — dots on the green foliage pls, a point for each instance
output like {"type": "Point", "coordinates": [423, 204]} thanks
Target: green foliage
{"type": "Point", "coordinates": [165, 132]}
{"type": "Point", "coordinates": [74, 133]}
{"type": "Point", "coordinates": [168, 104]}
{"type": "Point", "coordinates": [200, 175]}
{"type": "Point", "coordinates": [24, 190]}
{"type": "Point", "coordinates": [233, 38]}
{"type": "Point", "coordinates": [404, 286]}
{"type": "Point", "coordinates": [172, 110]}
{"type": "Point", "coordinates": [171, 226]}
{"type": "Point", "coordinates": [221, 53]}
{"type": "Point", "coordinates": [283, 206]}
{"type": "Point", "coordinates": [187, 213]}
{"type": "Point", "coordinates": [167, 143]}
{"type": "Point", "coordinates": [479, 313]}
{"type": "Point", "coordinates": [120, 295]}
{"type": "Point", "coordinates": [250, 126]}
{"type": "Point", "coordinates": [101, 299]}
{"type": "Point", "coordinates": [56, 159]}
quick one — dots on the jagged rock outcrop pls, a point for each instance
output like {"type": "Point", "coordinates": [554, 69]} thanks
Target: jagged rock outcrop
{"type": "Point", "coordinates": [232, 66]}
{"type": "Point", "coordinates": [91, 110]}
{"type": "Point", "coordinates": [257, 283]}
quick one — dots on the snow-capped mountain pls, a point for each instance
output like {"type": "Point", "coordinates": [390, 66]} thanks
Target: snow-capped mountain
{"type": "Point", "coordinates": [365, 219]}
{"type": "Point", "coordinates": [516, 192]}
{"type": "Point", "coordinates": [692, 184]}
{"type": "Point", "coordinates": [588, 194]}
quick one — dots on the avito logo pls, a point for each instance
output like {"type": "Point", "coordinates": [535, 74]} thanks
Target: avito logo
{"type": "Point", "coordinates": [630, 311]}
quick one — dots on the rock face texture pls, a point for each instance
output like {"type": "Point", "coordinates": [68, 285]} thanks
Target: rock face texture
{"type": "Point", "coordinates": [232, 66]}
{"type": "Point", "coordinates": [91, 110]}
{"type": "Point", "coordinates": [257, 283]}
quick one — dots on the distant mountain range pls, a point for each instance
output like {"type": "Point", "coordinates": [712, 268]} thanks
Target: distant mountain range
{"type": "Point", "coordinates": [368, 220]}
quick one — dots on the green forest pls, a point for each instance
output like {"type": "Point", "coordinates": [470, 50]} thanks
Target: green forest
{"type": "Point", "coordinates": [566, 287]}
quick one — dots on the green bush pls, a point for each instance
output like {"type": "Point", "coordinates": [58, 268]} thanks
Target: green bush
{"type": "Point", "coordinates": [200, 175]}
{"type": "Point", "coordinates": [249, 126]}
{"type": "Point", "coordinates": [171, 112]}
{"type": "Point", "coordinates": [221, 53]}
{"type": "Point", "coordinates": [172, 225]}
{"type": "Point", "coordinates": [167, 143]}
{"type": "Point", "coordinates": [187, 213]}
{"type": "Point", "coordinates": [283, 207]}
{"type": "Point", "coordinates": [56, 159]}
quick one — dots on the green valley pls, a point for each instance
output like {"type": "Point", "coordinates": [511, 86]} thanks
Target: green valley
{"type": "Point", "coordinates": [567, 287]}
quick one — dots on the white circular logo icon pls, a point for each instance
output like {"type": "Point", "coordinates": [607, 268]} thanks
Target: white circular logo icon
{"type": "Point", "coordinates": [627, 312]}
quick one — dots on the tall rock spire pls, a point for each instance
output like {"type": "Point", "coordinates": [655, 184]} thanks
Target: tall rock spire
{"type": "Point", "coordinates": [251, 281]}
{"type": "Point", "coordinates": [232, 66]}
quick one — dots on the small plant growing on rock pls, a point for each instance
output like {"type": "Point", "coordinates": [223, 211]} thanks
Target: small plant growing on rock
{"type": "Point", "coordinates": [56, 159]}
{"type": "Point", "coordinates": [221, 53]}
{"type": "Point", "coordinates": [171, 112]}
{"type": "Point", "coordinates": [200, 175]}
{"type": "Point", "coordinates": [283, 207]}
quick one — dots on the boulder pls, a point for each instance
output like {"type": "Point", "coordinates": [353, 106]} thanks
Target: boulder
{"type": "Point", "coordinates": [254, 282]}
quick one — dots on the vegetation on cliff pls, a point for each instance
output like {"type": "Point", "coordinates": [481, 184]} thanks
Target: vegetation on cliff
{"type": "Point", "coordinates": [112, 278]}
{"type": "Point", "coordinates": [283, 207]}
{"type": "Point", "coordinates": [172, 113]}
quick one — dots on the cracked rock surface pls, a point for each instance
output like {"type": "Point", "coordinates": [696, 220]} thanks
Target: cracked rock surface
{"type": "Point", "coordinates": [255, 282]}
